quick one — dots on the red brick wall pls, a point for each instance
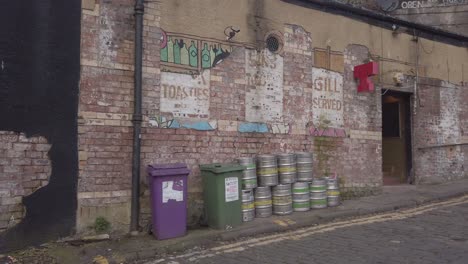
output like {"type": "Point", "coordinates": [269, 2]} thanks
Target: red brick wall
{"type": "Point", "coordinates": [106, 99]}
{"type": "Point", "coordinates": [24, 168]}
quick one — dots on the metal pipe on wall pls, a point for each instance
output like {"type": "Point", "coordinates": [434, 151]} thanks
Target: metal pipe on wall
{"type": "Point", "coordinates": [137, 117]}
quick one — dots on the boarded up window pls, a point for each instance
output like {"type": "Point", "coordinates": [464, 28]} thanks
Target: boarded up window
{"type": "Point", "coordinates": [321, 59]}
{"type": "Point", "coordinates": [337, 62]}
{"type": "Point", "coordinates": [328, 59]}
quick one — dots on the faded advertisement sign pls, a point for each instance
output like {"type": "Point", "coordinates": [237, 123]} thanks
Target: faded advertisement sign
{"type": "Point", "coordinates": [327, 98]}
{"type": "Point", "coordinates": [185, 96]}
{"type": "Point", "coordinates": [264, 78]}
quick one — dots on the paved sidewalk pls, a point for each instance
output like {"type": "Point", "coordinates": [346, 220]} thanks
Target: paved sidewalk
{"type": "Point", "coordinates": [128, 249]}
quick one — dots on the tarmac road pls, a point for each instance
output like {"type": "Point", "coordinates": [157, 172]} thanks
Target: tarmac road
{"type": "Point", "coordinates": [433, 233]}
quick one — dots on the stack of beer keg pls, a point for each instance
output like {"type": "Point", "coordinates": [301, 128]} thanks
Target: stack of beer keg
{"type": "Point", "coordinates": [283, 183]}
{"type": "Point", "coordinates": [333, 192]}
{"type": "Point", "coordinates": [301, 195]}
{"type": "Point", "coordinates": [248, 182]}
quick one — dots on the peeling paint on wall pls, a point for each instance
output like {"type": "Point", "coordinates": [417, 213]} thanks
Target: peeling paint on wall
{"type": "Point", "coordinates": [450, 129]}
{"type": "Point", "coordinates": [39, 93]}
{"type": "Point", "coordinates": [264, 92]}
{"type": "Point", "coordinates": [107, 43]}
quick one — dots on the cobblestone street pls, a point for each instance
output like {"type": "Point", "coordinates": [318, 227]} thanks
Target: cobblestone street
{"type": "Point", "coordinates": [435, 233]}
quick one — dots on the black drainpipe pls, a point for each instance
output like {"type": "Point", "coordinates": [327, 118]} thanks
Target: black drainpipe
{"type": "Point", "coordinates": [137, 117]}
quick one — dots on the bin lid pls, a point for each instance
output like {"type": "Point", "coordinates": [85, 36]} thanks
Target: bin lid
{"type": "Point", "coordinates": [167, 169]}
{"type": "Point", "coordinates": [221, 167]}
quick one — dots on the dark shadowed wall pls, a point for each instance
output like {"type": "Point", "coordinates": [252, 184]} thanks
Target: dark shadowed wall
{"type": "Point", "coordinates": [39, 77]}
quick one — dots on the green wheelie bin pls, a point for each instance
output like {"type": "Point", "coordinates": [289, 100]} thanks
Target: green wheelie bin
{"type": "Point", "coordinates": [222, 194]}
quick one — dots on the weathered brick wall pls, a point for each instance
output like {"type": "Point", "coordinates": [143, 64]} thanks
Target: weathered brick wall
{"type": "Point", "coordinates": [463, 116]}
{"type": "Point", "coordinates": [440, 130]}
{"type": "Point", "coordinates": [362, 154]}
{"type": "Point", "coordinates": [106, 107]}
{"type": "Point", "coordinates": [24, 168]}
{"type": "Point", "coordinates": [209, 114]}
{"type": "Point", "coordinates": [106, 100]}
{"type": "Point", "coordinates": [356, 158]}
{"type": "Point", "coordinates": [203, 147]}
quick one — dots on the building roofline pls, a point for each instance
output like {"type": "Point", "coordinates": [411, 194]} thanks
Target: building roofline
{"type": "Point", "coordinates": [384, 21]}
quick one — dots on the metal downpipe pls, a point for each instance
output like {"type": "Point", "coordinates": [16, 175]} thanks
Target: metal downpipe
{"type": "Point", "coordinates": [137, 117]}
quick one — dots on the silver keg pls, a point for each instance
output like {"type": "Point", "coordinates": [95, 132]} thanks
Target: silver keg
{"type": "Point", "coordinates": [248, 206]}
{"type": "Point", "coordinates": [267, 170]}
{"type": "Point", "coordinates": [301, 196]}
{"type": "Point", "coordinates": [282, 199]}
{"type": "Point", "coordinates": [333, 193]}
{"type": "Point", "coordinates": [249, 174]}
{"type": "Point", "coordinates": [304, 166]}
{"type": "Point", "coordinates": [332, 183]}
{"type": "Point", "coordinates": [263, 204]}
{"type": "Point", "coordinates": [318, 193]}
{"type": "Point", "coordinates": [286, 168]}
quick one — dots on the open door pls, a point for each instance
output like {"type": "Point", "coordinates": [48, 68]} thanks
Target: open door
{"type": "Point", "coordinates": [396, 138]}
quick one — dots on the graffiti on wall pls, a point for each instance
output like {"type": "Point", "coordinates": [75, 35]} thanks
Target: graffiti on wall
{"type": "Point", "coordinates": [190, 54]}
{"type": "Point", "coordinates": [185, 96]}
{"type": "Point", "coordinates": [327, 97]}
{"type": "Point", "coordinates": [264, 92]}
{"type": "Point", "coordinates": [159, 121]}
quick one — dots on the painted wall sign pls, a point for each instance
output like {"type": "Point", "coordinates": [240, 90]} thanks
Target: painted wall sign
{"type": "Point", "coordinates": [231, 188]}
{"type": "Point", "coordinates": [327, 98]}
{"type": "Point", "coordinates": [264, 95]}
{"type": "Point", "coordinates": [431, 3]}
{"type": "Point", "coordinates": [391, 5]}
{"type": "Point", "coordinates": [185, 96]}
{"type": "Point", "coordinates": [363, 72]}
{"type": "Point", "coordinates": [191, 54]}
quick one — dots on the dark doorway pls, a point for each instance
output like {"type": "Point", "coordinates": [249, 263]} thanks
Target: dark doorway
{"type": "Point", "coordinates": [396, 138]}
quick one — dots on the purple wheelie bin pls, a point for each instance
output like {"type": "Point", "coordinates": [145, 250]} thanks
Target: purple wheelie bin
{"type": "Point", "coordinates": [168, 187]}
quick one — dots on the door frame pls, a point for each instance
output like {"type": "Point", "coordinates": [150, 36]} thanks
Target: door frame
{"type": "Point", "coordinates": [408, 129]}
